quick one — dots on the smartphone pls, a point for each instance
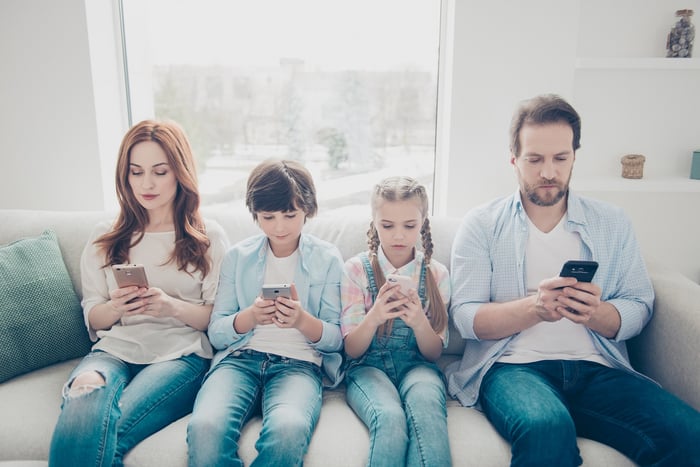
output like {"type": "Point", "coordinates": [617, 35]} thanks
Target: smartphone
{"type": "Point", "coordinates": [130, 274]}
{"type": "Point", "coordinates": [405, 281]}
{"type": "Point", "coordinates": [272, 291]}
{"type": "Point", "coordinates": [583, 271]}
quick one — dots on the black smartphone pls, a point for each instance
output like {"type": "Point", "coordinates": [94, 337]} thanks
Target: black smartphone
{"type": "Point", "coordinates": [582, 270]}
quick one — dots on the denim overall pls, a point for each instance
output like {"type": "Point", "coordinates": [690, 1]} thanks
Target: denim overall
{"type": "Point", "coordinates": [399, 395]}
{"type": "Point", "coordinates": [397, 352]}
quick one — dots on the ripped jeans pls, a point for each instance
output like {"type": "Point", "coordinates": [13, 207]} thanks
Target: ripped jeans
{"type": "Point", "coordinates": [100, 425]}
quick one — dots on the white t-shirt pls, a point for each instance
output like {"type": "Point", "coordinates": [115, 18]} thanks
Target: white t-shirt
{"type": "Point", "coordinates": [560, 340]}
{"type": "Point", "coordinates": [269, 338]}
{"type": "Point", "coordinates": [146, 339]}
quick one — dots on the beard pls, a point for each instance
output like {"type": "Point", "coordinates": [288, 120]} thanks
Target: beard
{"type": "Point", "coordinates": [550, 199]}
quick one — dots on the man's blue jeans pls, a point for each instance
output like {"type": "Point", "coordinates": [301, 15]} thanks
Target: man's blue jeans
{"type": "Point", "coordinates": [401, 398]}
{"type": "Point", "coordinates": [541, 407]}
{"type": "Point", "coordinates": [99, 427]}
{"type": "Point", "coordinates": [288, 392]}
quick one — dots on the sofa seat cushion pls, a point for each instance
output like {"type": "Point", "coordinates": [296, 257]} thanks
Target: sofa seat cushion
{"type": "Point", "coordinates": [30, 405]}
{"type": "Point", "coordinates": [41, 321]}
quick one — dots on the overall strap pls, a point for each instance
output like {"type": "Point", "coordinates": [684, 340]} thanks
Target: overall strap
{"type": "Point", "coordinates": [421, 285]}
{"type": "Point", "coordinates": [370, 275]}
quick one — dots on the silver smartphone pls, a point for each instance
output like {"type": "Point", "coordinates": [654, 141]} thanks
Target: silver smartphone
{"type": "Point", "coordinates": [405, 282]}
{"type": "Point", "coordinates": [127, 275]}
{"type": "Point", "coordinates": [272, 291]}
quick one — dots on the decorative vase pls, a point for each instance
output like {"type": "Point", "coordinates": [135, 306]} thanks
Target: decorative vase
{"type": "Point", "coordinates": [680, 39]}
{"type": "Point", "coordinates": [633, 166]}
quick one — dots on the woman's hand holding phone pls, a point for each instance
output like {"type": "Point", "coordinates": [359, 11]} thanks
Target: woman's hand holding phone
{"type": "Point", "coordinates": [133, 284]}
{"type": "Point", "coordinates": [135, 297]}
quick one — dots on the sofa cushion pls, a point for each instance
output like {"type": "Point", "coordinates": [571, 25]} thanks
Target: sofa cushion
{"type": "Point", "coordinates": [41, 321]}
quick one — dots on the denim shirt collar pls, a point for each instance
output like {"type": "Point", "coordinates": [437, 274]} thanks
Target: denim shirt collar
{"type": "Point", "coordinates": [574, 209]}
{"type": "Point", "coordinates": [576, 220]}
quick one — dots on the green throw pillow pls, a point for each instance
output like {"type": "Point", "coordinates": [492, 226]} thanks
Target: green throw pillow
{"type": "Point", "coordinates": [41, 321]}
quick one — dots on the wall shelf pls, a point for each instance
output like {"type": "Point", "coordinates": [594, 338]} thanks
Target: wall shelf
{"type": "Point", "coordinates": [651, 63]}
{"type": "Point", "coordinates": [650, 185]}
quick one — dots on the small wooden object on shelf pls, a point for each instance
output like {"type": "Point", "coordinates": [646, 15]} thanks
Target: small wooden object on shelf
{"type": "Point", "coordinates": [633, 166]}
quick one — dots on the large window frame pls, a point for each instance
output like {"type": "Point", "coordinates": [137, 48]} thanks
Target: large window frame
{"type": "Point", "coordinates": [442, 108]}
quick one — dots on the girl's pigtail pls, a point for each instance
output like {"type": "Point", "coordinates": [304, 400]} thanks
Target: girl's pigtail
{"type": "Point", "coordinates": [437, 310]}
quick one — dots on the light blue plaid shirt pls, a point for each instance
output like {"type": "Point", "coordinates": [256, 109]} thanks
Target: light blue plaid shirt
{"type": "Point", "coordinates": [317, 280]}
{"type": "Point", "coordinates": [488, 265]}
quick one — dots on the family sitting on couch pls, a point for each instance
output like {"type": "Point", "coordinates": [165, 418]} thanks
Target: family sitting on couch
{"type": "Point", "coordinates": [545, 356]}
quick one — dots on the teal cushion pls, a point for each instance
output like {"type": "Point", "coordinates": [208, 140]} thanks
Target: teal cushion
{"type": "Point", "coordinates": [41, 321]}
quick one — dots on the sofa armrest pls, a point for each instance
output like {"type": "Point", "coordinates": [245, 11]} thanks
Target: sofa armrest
{"type": "Point", "coordinates": [667, 349]}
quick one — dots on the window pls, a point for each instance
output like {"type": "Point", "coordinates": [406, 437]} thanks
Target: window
{"type": "Point", "coordinates": [347, 87]}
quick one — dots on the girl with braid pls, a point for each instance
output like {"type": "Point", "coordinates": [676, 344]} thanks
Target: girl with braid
{"type": "Point", "coordinates": [392, 339]}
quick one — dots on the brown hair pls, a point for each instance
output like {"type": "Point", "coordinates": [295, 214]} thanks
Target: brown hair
{"type": "Point", "coordinates": [281, 185]}
{"type": "Point", "coordinates": [191, 242]}
{"type": "Point", "coordinates": [540, 110]}
{"type": "Point", "coordinates": [403, 189]}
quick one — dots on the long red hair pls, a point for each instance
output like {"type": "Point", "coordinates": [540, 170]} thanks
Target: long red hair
{"type": "Point", "coordinates": [191, 241]}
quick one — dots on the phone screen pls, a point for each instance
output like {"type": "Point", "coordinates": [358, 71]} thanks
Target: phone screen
{"type": "Point", "coordinates": [583, 271]}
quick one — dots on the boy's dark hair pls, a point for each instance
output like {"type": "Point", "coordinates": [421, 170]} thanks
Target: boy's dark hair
{"type": "Point", "coordinates": [280, 185]}
{"type": "Point", "coordinates": [540, 110]}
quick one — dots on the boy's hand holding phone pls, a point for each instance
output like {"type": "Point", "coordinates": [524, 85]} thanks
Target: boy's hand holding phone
{"type": "Point", "coordinates": [277, 304]}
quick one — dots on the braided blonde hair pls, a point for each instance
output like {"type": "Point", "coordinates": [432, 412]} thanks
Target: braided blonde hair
{"type": "Point", "coordinates": [402, 188]}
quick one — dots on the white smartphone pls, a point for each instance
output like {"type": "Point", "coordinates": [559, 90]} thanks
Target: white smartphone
{"type": "Point", "coordinates": [272, 291]}
{"type": "Point", "coordinates": [406, 282]}
{"type": "Point", "coordinates": [130, 274]}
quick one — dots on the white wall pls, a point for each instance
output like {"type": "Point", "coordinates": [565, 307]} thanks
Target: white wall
{"type": "Point", "coordinates": [55, 129]}
{"type": "Point", "coordinates": [506, 51]}
{"type": "Point", "coordinates": [62, 115]}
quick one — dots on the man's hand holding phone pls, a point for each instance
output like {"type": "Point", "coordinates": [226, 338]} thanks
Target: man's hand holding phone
{"type": "Point", "coordinates": [579, 301]}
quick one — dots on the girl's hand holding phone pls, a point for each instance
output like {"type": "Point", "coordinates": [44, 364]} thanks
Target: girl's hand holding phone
{"type": "Point", "coordinates": [413, 314]}
{"type": "Point", "coordinates": [387, 305]}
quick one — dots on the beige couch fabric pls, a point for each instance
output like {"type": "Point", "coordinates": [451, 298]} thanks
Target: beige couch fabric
{"type": "Point", "coordinates": [30, 404]}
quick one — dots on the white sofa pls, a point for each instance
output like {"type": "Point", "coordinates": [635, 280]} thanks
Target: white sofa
{"type": "Point", "coordinates": [30, 403]}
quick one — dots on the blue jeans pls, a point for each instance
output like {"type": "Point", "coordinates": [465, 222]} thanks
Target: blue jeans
{"type": "Point", "coordinates": [541, 407]}
{"type": "Point", "coordinates": [99, 427]}
{"type": "Point", "coordinates": [287, 392]}
{"type": "Point", "coordinates": [401, 398]}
